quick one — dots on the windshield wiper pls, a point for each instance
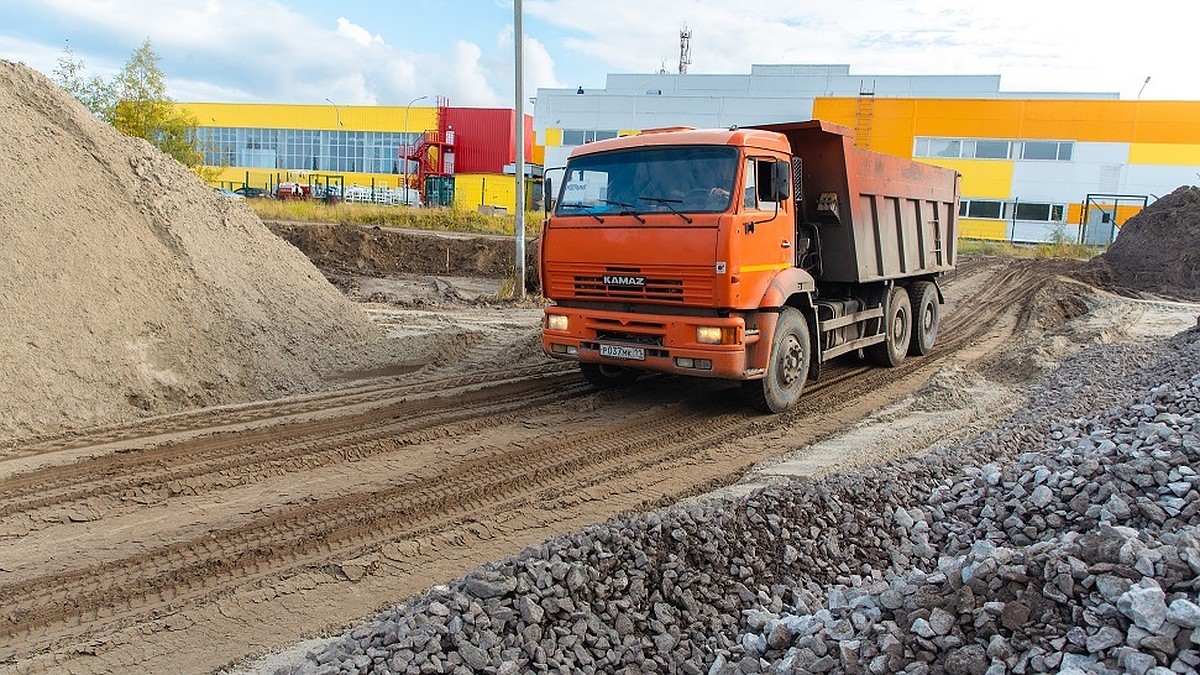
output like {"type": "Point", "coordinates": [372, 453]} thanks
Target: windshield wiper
{"type": "Point", "coordinates": [582, 206]}
{"type": "Point", "coordinates": [628, 210]}
{"type": "Point", "coordinates": [667, 203]}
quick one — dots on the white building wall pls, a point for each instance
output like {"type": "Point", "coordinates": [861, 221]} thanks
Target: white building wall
{"type": "Point", "coordinates": [1150, 179]}
{"type": "Point", "coordinates": [1068, 181]}
{"type": "Point", "coordinates": [769, 93]}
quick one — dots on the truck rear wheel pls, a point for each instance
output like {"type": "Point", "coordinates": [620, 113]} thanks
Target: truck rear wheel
{"type": "Point", "coordinates": [897, 328]}
{"type": "Point", "coordinates": [787, 370]}
{"type": "Point", "coordinates": [604, 376]}
{"type": "Point", "coordinates": [926, 316]}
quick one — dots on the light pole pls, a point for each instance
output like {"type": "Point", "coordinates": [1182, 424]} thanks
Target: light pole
{"type": "Point", "coordinates": [519, 133]}
{"type": "Point", "coordinates": [337, 113]}
{"type": "Point", "coordinates": [407, 144]}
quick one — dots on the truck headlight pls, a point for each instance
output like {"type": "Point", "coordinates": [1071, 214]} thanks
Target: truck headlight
{"type": "Point", "coordinates": [557, 321]}
{"type": "Point", "coordinates": [715, 335]}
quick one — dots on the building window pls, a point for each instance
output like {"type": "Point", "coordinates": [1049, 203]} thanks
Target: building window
{"type": "Point", "coordinates": [996, 209]}
{"type": "Point", "coordinates": [1042, 212]}
{"type": "Point", "coordinates": [303, 150]}
{"type": "Point", "coordinates": [991, 150]}
{"type": "Point", "coordinates": [581, 136]}
{"type": "Point", "coordinates": [981, 208]}
{"type": "Point", "coordinates": [944, 147]}
{"type": "Point", "coordinates": [976, 148]}
{"type": "Point", "coordinates": [1047, 150]}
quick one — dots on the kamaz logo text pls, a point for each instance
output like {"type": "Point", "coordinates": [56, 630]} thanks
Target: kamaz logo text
{"type": "Point", "coordinates": [614, 280]}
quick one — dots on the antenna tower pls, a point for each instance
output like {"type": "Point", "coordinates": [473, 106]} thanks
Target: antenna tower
{"type": "Point", "coordinates": [685, 50]}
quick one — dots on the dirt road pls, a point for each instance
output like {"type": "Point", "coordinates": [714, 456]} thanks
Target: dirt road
{"type": "Point", "coordinates": [191, 542]}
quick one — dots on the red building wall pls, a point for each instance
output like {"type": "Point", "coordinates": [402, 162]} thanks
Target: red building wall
{"type": "Point", "coordinates": [484, 139]}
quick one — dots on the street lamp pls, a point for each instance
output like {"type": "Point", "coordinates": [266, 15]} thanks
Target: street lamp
{"type": "Point", "coordinates": [406, 144]}
{"type": "Point", "coordinates": [337, 113]}
{"type": "Point", "coordinates": [519, 134]}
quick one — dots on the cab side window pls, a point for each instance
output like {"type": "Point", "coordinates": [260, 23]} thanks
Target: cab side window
{"type": "Point", "coordinates": [758, 185]}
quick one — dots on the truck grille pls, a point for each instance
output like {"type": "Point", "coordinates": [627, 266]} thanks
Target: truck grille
{"type": "Point", "coordinates": [674, 286]}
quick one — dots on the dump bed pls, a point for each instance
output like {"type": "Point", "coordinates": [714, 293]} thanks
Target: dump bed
{"type": "Point", "coordinates": [878, 216]}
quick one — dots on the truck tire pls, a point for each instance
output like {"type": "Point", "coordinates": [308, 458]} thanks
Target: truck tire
{"type": "Point", "coordinates": [787, 370]}
{"type": "Point", "coordinates": [926, 317]}
{"type": "Point", "coordinates": [898, 329]}
{"type": "Point", "coordinates": [604, 376]}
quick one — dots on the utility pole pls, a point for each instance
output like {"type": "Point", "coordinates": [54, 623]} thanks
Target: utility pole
{"type": "Point", "coordinates": [519, 108]}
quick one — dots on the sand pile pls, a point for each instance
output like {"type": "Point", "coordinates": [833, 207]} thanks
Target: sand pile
{"type": "Point", "coordinates": [1157, 251]}
{"type": "Point", "coordinates": [129, 287]}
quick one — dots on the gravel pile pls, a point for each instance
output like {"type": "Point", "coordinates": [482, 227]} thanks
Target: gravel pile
{"type": "Point", "coordinates": [1063, 541]}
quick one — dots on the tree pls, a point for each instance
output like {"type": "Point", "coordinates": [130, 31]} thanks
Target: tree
{"type": "Point", "coordinates": [92, 91]}
{"type": "Point", "coordinates": [135, 103]}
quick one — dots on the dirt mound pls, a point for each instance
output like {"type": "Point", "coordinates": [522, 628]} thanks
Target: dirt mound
{"type": "Point", "coordinates": [1157, 251]}
{"type": "Point", "coordinates": [130, 287]}
{"type": "Point", "coordinates": [387, 252]}
{"type": "Point", "coordinates": [376, 251]}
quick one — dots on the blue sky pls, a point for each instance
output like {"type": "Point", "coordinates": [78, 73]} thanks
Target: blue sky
{"type": "Point", "coordinates": [360, 52]}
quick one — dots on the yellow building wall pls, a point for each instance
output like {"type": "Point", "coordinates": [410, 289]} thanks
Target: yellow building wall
{"type": "Point", "coordinates": [538, 154]}
{"type": "Point", "coordinates": [325, 117]}
{"type": "Point", "coordinates": [974, 228]}
{"type": "Point", "coordinates": [1165, 153]}
{"type": "Point", "coordinates": [896, 122]}
{"type": "Point", "coordinates": [553, 138]}
{"type": "Point", "coordinates": [235, 177]}
{"type": "Point", "coordinates": [1125, 211]}
{"type": "Point", "coordinates": [472, 190]}
{"type": "Point", "coordinates": [980, 177]}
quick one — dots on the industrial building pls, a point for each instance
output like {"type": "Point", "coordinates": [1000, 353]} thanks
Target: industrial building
{"type": "Point", "coordinates": [1035, 166]}
{"type": "Point", "coordinates": [452, 155]}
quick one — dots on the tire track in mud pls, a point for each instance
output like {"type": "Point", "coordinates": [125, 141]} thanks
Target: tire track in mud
{"type": "Point", "coordinates": [214, 418]}
{"type": "Point", "coordinates": [50, 609]}
{"type": "Point", "coordinates": [229, 460]}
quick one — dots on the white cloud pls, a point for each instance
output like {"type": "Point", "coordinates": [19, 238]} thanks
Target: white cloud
{"type": "Point", "coordinates": [356, 33]}
{"type": "Point", "coordinates": [1032, 44]}
{"type": "Point", "coordinates": [539, 66]}
{"type": "Point", "coordinates": [265, 51]}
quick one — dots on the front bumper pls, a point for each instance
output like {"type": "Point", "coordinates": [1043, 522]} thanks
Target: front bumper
{"type": "Point", "coordinates": [657, 342]}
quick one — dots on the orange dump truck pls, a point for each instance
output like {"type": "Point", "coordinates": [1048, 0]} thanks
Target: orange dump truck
{"type": "Point", "coordinates": [749, 254]}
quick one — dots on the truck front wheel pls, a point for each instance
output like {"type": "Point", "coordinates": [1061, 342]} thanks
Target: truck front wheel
{"type": "Point", "coordinates": [604, 376]}
{"type": "Point", "coordinates": [787, 370]}
{"type": "Point", "coordinates": [897, 330]}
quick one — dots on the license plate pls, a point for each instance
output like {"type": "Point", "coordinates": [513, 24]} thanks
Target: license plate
{"type": "Point", "coordinates": [627, 353]}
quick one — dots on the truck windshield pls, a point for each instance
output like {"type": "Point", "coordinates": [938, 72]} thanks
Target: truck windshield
{"type": "Point", "coordinates": [688, 179]}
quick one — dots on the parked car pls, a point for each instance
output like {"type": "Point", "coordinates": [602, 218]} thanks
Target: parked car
{"type": "Point", "coordinates": [226, 192]}
{"type": "Point", "coordinates": [251, 192]}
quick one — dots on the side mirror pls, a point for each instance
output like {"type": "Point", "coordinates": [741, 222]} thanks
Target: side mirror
{"type": "Point", "coordinates": [781, 183]}
{"type": "Point", "coordinates": [547, 194]}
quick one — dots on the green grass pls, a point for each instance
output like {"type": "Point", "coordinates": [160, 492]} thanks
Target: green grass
{"type": "Point", "coordinates": [1006, 249]}
{"type": "Point", "coordinates": [443, 219]}
{"type": "Point", "coordinates": [460, 220]}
